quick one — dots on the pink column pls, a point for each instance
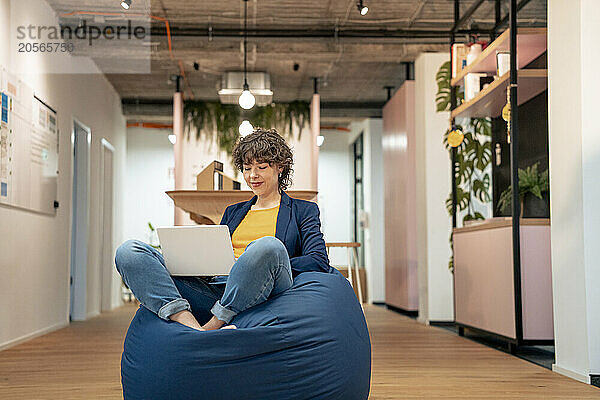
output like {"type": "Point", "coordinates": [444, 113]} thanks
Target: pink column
{"type": "Point", "coordinates": [315, 128]}
{"type": "Point", "coordinates": [399, 161]}
{"type": "Point", "coordinates": [178, 151]}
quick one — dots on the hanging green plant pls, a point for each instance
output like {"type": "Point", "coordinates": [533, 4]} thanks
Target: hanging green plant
{"type": "Point", "coordinates": [443, 78]}
{"type": "Point", "coordinates": [442, 98]}
{"type": "Point", "coordinates": [473, 156]}
{"type": "Point", "coordinates": [221, 121]}
{"type": "Point", "coordinates": [282, 116]}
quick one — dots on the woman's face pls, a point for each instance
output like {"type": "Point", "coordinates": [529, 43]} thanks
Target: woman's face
{"type": "Point", "coordinates": [262, 177]}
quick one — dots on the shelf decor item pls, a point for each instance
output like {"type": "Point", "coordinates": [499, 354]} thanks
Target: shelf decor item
{"type": "Point", "coordinates": [474, 52]}
{"type": "Point", "coordinates": [533, 186]}
{"type": "Point", "coordinates": [455, 137]}
{"type": "Point", "coordinates": [472, 86]}
{"type": "Point", "coordinates": [502, 62]}
{"type": "Point", "coordinates": [459, 57]}
{"type": "Point", "coordinates": [506, 114]}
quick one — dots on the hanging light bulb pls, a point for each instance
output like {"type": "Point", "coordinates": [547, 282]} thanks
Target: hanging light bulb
{"type": "Point", "coordinates": [362, 8]}
{"type": "Point", "coordinates": [126, 4]}
{"type": "Point", "coordinates": [246, 99]}
{"type": "Point", "coordinates": [172, 138]}
{"type": "Point", "coordinates": [320, 140]}
{"type": "Point", "coordinates": [245, 128]}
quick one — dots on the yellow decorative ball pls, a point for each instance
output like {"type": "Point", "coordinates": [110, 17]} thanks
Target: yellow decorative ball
{"type": "Point", "coordinates": [455, 138]}
{"type": "Point", "coordinates": [506, 112]}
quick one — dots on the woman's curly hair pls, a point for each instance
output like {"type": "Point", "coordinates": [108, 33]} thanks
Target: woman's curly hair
{"type": "Point", "coordinates": [265, 146]}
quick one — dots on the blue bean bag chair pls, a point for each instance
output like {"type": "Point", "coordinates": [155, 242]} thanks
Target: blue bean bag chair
{"type": "Point", "coordinates": [310, 342]}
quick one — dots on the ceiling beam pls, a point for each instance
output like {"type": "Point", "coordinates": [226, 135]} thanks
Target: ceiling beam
{"type": "Point", "coordinates": [467, 15]}
{"type": "Point", "coordinates": [417, 12]}
{"type": "Point", "coordinates": [152, 110]}
{"type": "Point", "coordinates": [504, 20]}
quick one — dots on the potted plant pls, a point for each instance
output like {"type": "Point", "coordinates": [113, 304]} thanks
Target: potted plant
{"type": "Point", "coordinates": [533, 189]}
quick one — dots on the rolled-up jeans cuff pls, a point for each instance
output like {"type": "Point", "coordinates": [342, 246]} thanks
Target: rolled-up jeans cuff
{"type": "Point", "coordinates": [173, 307]}
{"type": "Point", "coordinates": [222, 313]}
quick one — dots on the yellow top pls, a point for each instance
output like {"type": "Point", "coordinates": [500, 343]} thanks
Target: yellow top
{"type": "Point", "coordinates": [256, 224]}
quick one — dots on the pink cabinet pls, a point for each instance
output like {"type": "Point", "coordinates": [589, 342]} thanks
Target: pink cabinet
{"type": "Point", "coordinates": [484, 285]}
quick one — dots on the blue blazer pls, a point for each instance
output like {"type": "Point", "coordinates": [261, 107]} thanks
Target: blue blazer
{"type": "Point", "coordinates": [298, 227]}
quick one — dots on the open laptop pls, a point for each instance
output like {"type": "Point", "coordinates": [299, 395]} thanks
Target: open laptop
{"type": "Point", "coordinates": [203, 250]}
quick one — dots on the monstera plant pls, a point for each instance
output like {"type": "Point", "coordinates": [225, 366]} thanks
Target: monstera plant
{"type": "Point", "coordinates": [473, 155]}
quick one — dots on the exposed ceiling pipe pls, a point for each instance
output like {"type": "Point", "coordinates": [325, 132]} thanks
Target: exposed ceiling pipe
{"type": "Point", "coordinates": [149, 125]}
{"type": "Point", "coordinates": [154, 17]}
{"type": "Point", "coordinates": [334, 128]}
{"type": "Point", "coordinates": [339, 33]}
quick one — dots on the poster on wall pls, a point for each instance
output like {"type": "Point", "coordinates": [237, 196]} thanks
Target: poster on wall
{"type": "Point", "coordinates": [28, 148]}
{"type": "Point", "coordinates": [5, 140]}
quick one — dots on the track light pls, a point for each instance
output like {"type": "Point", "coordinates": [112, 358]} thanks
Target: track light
{"type": "Point", "coordinates": [126, 4]}
{"type": "Point", "coordinates": [362, 9]}
{"type": "Point", "coordinates": [320, 140]}
{"type": "Point", "coordinates": [245, 128]}
{"type": "Point", "coordinates": [172, 138]}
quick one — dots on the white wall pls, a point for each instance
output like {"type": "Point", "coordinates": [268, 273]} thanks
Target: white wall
{"type": "Point", "coordinates": [436, 302]}
{"type": "Point", "coordinates": [334, 192]}
{"type": "Point", "coordinates": [574, 140]}
{"type": "Point", "coordinates": [35, 248]}
{"type": "Point", "coordinates": [149, 174]}
{"type": "Point", "coordinates": [372, 129]}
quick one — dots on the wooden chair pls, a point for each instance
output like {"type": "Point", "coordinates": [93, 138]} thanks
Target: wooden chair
{"type": "Point", "coordinates": [352, 263]}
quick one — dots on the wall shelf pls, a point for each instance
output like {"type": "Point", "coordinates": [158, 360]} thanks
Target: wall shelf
{"type": "Point", "coordinates": [490, 101]}
{"type": "Point", "coordinates": [531, 43]}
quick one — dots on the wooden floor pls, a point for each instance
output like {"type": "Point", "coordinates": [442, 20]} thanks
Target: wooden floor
{"type": "Point", "coordinates": [410, 361]}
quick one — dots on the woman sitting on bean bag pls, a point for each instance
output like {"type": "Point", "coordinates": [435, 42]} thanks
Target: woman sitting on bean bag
{"type": "Point", "coordinates": [274, 239]}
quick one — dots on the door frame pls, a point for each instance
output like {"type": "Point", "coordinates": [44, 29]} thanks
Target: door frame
{"type": "Point", "coordinates": [80, 221]}
{"type": "Point", "coordinates": [358, 209]}
{"type": "Point", "coordinates": [106, 232]}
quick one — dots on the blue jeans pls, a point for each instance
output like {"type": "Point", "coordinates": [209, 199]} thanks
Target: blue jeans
{"type": "Point", "coordinates": [262, 271]}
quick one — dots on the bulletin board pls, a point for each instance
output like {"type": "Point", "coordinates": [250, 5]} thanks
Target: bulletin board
{"type": "Point", "coordinates": [28, 148]}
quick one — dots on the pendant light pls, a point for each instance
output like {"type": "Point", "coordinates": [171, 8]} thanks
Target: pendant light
{"type": "Point", "coordinates": [246, 99]}
{"type": "Point", "coordinates": [245, 128]}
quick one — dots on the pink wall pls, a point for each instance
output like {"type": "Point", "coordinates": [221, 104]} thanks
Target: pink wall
{"type": "Point", "coordinates": [399, 158]}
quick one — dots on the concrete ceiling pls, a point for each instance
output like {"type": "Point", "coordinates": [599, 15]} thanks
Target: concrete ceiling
{"type": "Point", "coordinates": [353, 56]}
